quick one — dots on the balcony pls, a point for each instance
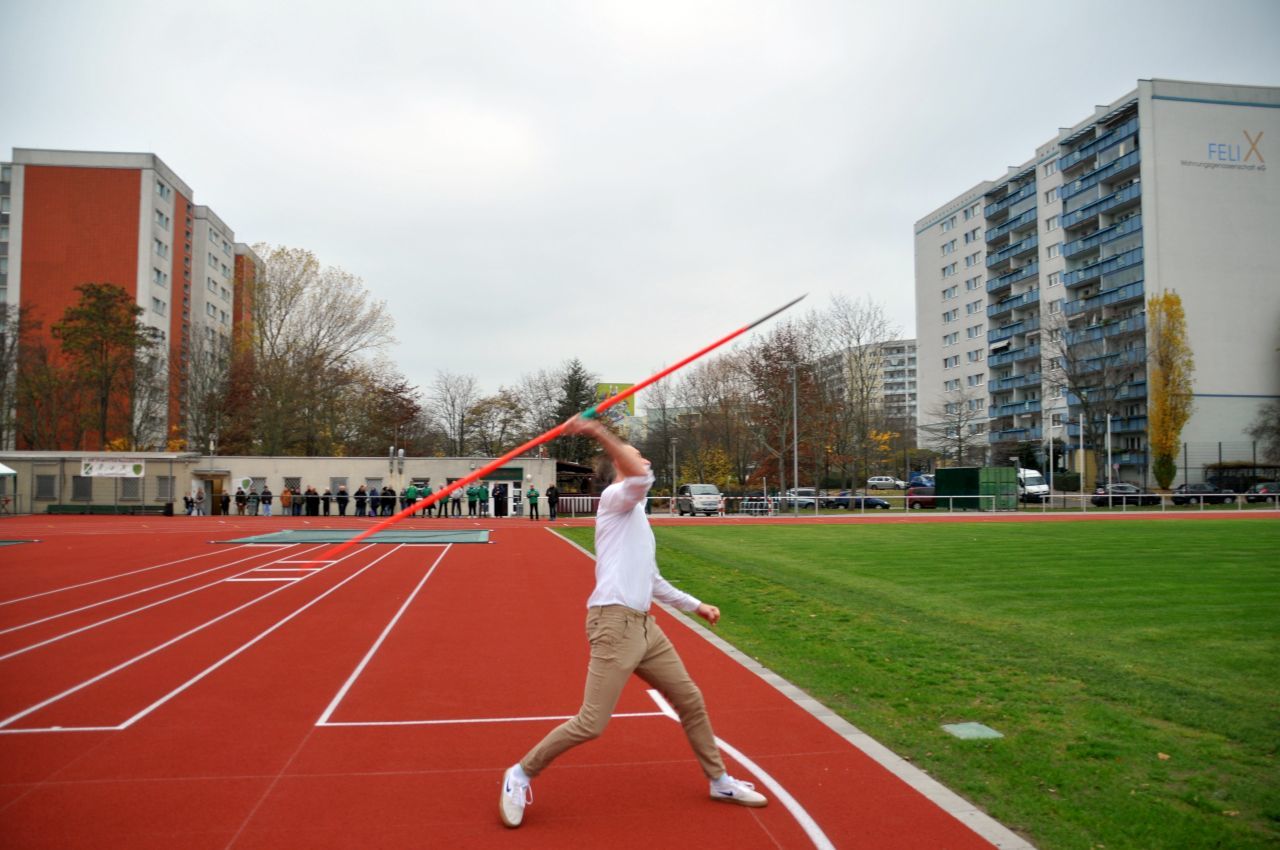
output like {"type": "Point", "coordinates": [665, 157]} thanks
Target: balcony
{"type": "Point", "coordinates": [1021, 435]}
{"type": "Point", "coordinates": [1017, 408]}
{"type": "Point", "coordinates": [1096, 270]}
{"type": "Point", "coordinates": [1000, 208]}
{"type": "Point", "coordinates": [1116, 200]}
{"type": "Point", "coordinates": [1024, 326]}
{"type": "Point", "coordinates": [1015, 355]}
{"type": "Point", "coordinates": [1112, 361]}
{"type": "Point", "coordinates": [1107, 234]}
{"type": "Point", "coordinates": [1029, 380]}
{"type": "Point", "coordinates": [1113, 170]}
{"type": "Point", "coordinates": [1106, 298]}
{"type": "Point", "coordinates": [1007, 280]}
{"type": "Point", "coordinates": [1106, 140]}
{"type": "Point", "coordinates": [1134, 324]}
{"type": "Point", "coordinates": [1016, 223]}
{"type": "Point", "coordinates": [1031, 296]}
{"type": "Point", "coordinates": [1017, 249]}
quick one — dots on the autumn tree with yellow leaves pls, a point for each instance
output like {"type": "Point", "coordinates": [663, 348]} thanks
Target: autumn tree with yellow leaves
{"type": "Point", "coordinates": [1170, 366]}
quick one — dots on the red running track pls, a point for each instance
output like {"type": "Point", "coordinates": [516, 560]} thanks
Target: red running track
{"type": "Point", "coordinates": [161, 690]}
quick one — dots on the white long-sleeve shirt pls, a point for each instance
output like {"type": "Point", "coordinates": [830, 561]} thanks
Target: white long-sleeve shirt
{"type": "Point", "coordinates": [626, 560]}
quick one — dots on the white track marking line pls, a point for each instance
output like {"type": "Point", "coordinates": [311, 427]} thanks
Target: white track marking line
{"type": "Point", "coordinates": [346, 686]}
{"type": "Point", "coordinates": [166, 600]}
{"type": "Point", "coordinates": [212, 667]}
{"type": "Point", "coordinates": [460, 721]}
{"type": "Point", "coordinates": [802, 817]}
{"type": "Point", "coordinates": [133, 593]}
{"type": "Point", "coordinates": [266, 578]}
{"type": "Point", "coordinates": [107, 578]}
{"type": "Point", "coordinates": [116, 669]}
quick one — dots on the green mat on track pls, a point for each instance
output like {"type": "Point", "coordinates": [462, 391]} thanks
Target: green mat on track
{"type": "Point", "coordinates": [342, 535]}
{"type": "Point", "coordinates": [15, 542]}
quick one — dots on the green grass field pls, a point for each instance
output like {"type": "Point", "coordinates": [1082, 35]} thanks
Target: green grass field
{"type": "Point", "coordinates": [1133, 667]}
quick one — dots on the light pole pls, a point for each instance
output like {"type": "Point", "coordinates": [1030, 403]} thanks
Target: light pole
{"type": "Point", "coordinates": [795, 445]}
{"type": "Point", "coordinates": [673, 468]}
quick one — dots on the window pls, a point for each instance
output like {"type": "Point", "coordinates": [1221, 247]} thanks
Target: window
{"type": "Point", "coordinates": [81, 488]}
{"type": "Point", "coordinates": [973, 307]}
{"type": "Point", "coordinates": [974, 331]}
{"type": "Point", "coordinates": [6, 174]}
{"type": "Point", "coordinates": [1051, 223]}
{"type": "Point", "coordinates": [1051, 167]}
{"type": "Point", "coordinates": [950, 292]}
{"type": "Point", "coordinates": [224, 316]}
{"type": "Point", "coordinates": [4, 234]}
{"type": "Point", "coordinates": [161, 249]}
{"type": "Point", "coordinates": [973, 259]}
{"type": "Point", "coordinates": [948, 271]}
{"type": "Point", "coordinates": [1056, 392]}
{"type": "Point", "coordinates": [951, 386]}
{"type": "Point", "coordinates": [163, 190]}
{"type": "Point", "coordinates": [951, 315]}
{"type": "Point", "coordinates": [1056, 419]}
{"type": "Point", "coordinates": [1055, 278]}
{"type": "Point", "coordinates": [951, 339]}
{"type": "Point", "coordinates": [158, 307]}
{"type": "Point", "coordinates": [1055, 250]}
{"type": "Point", "coordinates": [159, 277]}
{"type": "Point", "coordinates": [46, 486]}
{"type": "Point", "coordinates": [213, 262]}
{"type": "Point", "coordinates": [162, 220]}
{"type": "Point", "coordinates": [4, 204]}
{"type": "Point", "coordinates": [973, 235]}
{"type": "Point", "coordinates": [977, 380]}
{"type": "Point", "coordinates": [951, 362]}
{"type": "Point", "coordinates": [131, 489]}
{"type": "Point", "coordinates": [211, 311]}
{"type": "Point", "coordinates": [976, 355]}
{"type": "Point", "coordinates": [948, 223]}
{"type": "Point", "coordinates": [972, 211]}
{"type": "Point", "coordinates": [948, 247]}
{"type": "Point", "coordinates": [953, 407]}
{"type": "Point", "coordinates": [1051, 195]}
{"type": "Point", "coordinates": [973, 283]}
{"type": "Point", "coordinates": [1055, 306]}
{"type": "Point", "coordinates": [212, 284]}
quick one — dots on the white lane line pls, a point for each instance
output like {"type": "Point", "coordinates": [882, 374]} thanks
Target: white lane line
{"type": "Point", "coordinates": [792, 805]}
{"type": "Point", "coordinates": [130, 662]}
{"type": "Point", "coordinates": [212, 667]}
{"type": "Point", "coordinates": [147, 589]}
{"type": "Point", "coordinates": [346, 686]}
{"type": "Point", "coordinates": [128, 613]}
{"type": "Point", "coordinates": [265, 578]}
{"type": "Point", "coordinates": [462, 721]}
{"type": "Point", "coordinates": [108, 578]}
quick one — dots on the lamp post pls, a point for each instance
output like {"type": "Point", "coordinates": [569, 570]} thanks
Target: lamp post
{"type": "Point", "coordinates": [673, 469]}
{"type": "Point", "coordinates": [795, 445]}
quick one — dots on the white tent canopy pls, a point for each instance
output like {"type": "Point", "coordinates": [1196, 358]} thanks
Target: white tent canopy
{"type": "Point", "coordinates": [4, 470]}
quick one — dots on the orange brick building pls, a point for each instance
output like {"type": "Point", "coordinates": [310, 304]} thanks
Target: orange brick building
{"type": "Point", "coordinates": [74, 217]}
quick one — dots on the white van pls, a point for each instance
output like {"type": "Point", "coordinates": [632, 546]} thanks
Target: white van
{"type": "Point", "coordinates": [1032, 486]}
{"type": "Point", "coordinates": [698, 499]}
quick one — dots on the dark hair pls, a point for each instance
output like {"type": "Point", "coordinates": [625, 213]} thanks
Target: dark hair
{"type": "Point", "coordinates": [606, 472]}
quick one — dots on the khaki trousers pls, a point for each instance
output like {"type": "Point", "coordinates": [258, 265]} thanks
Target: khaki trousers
{"type": "Point", "coordinates": [625, 641]}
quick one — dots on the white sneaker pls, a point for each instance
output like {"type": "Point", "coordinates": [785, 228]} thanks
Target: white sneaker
{"type": "Point", "coordinates": [514, 797]}
{"type": "Point", "coordinates": [730, 790]}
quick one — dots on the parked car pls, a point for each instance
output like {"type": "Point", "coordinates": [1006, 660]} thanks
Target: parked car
{"type": "Point", "coordinates": [885, 482]}
{"type": "Point", "coordinates": [1194, 494]}
{"type": "Point", "coordinates": [695, 499]}
{"type": "Point", "coordinates": [921, 497]}
{"type": "Point", "coordinates": [802, 497]}
{"type": "Point", "coordinates": [1264, 491]}
{"type": "Point", "coordinates": [1122, 493]}
{"type": "Point", "coordinates": [851, 501]}
{"type": "Point", "coordinates": [921, 479]}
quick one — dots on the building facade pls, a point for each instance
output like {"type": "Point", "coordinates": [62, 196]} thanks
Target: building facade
{"type": "Point", "coordinates": [1031, 289]}
{"type": "Point", "coordinates": [73, 217]}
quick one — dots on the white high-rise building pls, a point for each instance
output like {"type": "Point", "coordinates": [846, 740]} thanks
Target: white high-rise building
{"type": "Point", "coordinates": [1031, 289]}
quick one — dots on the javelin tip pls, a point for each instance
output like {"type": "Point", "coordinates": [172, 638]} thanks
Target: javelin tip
{"type": "Point", "coordinates": [768, 316]}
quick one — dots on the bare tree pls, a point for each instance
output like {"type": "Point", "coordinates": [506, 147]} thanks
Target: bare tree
{"type": "Point", "coordinates": [312, 325]}
{"type": "Point", "coordinates": [494, 423]}
{"type": "Point", "coordinates": [452, 397]}
{"type": "Point", "coordinates": [207, 386]}
{"type": "Point", "coordinates": [771, 363]}
{"type": "Point", "coordinates": [15, 328]}
{"type": "Point", "coordinates": [952, 428]}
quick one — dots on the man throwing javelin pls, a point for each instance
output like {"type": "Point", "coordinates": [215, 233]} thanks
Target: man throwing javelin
{"type": "Point", "coordinates": [624, 638]}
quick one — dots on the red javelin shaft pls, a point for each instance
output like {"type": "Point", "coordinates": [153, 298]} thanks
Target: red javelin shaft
{"type": "Point", "coordinates": [546, 437]}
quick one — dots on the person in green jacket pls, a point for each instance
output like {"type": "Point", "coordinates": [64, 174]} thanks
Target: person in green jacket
{"type": "Point", "coordinates": [423, 493]}
{"type": "Point", "coordinates": [533, 502]}
{"type": "Point", "coordinates": [484, 500]}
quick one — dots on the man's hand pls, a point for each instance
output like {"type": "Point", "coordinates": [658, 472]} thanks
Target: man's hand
{"type": "Point", "coordinates": [710, 613]}
{"type": "Point", "coordinates": [586, 427]}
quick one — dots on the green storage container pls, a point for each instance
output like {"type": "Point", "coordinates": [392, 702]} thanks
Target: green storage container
{"type": "Point", "coordinates": [982, 488]}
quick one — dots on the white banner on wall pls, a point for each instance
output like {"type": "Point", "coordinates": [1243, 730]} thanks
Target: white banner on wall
{"type": "Point", "coordinates": [105, 468]}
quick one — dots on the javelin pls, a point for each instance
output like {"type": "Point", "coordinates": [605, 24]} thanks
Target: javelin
{"type": "Point", "coordinates": [546, 437]}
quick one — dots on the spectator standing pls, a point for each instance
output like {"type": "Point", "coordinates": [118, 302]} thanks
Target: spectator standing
{"type": "Point", "coordinates": [252, 501]}
{"type": "Point", "coordinates": [553, 502]}
{"type": "Point", "coordinates": [242, 499]}
{"type": "Point", "coordinates": [532, 496]}
{"type": "Point", "coordinates": [266, 500]}
{"type": "Point", "coordinates": [342, 498]}
{"type": "Point", "coordinates": [361, 498]}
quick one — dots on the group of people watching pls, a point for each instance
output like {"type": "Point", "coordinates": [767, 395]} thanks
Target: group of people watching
{"type": "Point", "coordinates": [371, 501]}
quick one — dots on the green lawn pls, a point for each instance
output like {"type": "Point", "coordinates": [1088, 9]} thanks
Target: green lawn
{"type": "Point", "coordinates": [1133, 667]}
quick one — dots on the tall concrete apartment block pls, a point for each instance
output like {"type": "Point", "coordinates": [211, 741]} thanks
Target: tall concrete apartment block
{"type": "Point", "coordinates": [888, 369]}
{"type": "Point", "coordinates": [1047, 270]}
{"type": "Point", "coordinates": [74, 217]}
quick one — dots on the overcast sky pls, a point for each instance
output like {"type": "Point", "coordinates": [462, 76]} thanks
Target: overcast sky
{"type": "Point", "coordinates": [622, 182]}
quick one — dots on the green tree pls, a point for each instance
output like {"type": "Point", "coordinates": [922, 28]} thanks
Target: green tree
{"type": "Point", "coordinates": [1170, 366]}
{"type": "Point", "coordinates": [102, 336]}
{"type": "Point", "coordinates": [577, 393]}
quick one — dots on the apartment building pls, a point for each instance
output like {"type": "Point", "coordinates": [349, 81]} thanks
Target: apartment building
{"type": "Point", "coordinates": [888, 372]}
{"type": "Point", "coordinates": [1031, 289]}
{"type": "Point", "coordinates": [74, 217]}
